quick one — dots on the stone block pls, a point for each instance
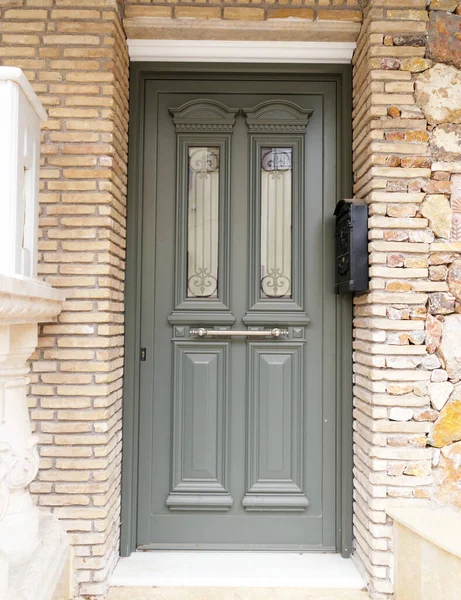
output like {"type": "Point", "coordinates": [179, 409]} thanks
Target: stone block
{"type": "Point", "coordinates": [441, 303]}
{"type": "Point", "coordinates": [426, 414]}
{"type": "Point", "coordinates": [450, 346]}
{"type": "Point", "coordinates": [446, 142]}
{"type": "Point", "coordinates": [441, 258]}
{"type": "Point", "coordinates": [439, 375]}
{"type": "Point", "coordinates": [438, 273]}
{"type": "Point", "coordinates": [439, 393]}
{"type": "Point", "coordinates": [409, 40]}
{"type": "Point", "coordinates": [449, 475]}
{"type": "Point", "coordinates": [454, 279]}
{"type": "Point", "coordinates": [438, 93]}
{"type": "Point", "coordinates": [447, 428]}
{"type": "Point", "coordinates": [400, 414]}
{"type": "Point", "coordinates": [436, 208]}
{"type": "Point", "coordinates": [445, 5]}
{"type": "Point", "coordinates": [418, 469]}
{"type": "Point", "coordinates": [415, 65]}
{"type": "Point", "coordinates": [444, 38]}
{"type": "Point", "coordinates": [431, 362]}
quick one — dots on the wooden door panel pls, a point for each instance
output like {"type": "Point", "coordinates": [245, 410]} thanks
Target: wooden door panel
{"type": "Point", "coordinates": [200, 427]}
{"type": "Point", "coordinates": [275, 431]}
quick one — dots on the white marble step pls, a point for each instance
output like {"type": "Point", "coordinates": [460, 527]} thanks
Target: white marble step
{"type": "Point", "coordinates": [194, 575]}
{"type": "Point", "coordinates": [197, 593]}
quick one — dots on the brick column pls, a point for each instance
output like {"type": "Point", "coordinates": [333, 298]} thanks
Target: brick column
{"type": "Point", "coordinates": [398, 323]}
{"type": "Point", "coordinates": [74, 54]}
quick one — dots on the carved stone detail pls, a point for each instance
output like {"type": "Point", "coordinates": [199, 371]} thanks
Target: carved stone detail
{"type": "Point", "coordinates": [204, 116]}
{"type": "Point", "coordinates": [27, 301]}
{"type": "Point", "coordinates": [17, 470]}
{"type": "Point", "coordinates": [34, 308]}
{"type": "Point", "coordinates": [23, 303]}
{"type": "Point", "coordinates": [280, 116]}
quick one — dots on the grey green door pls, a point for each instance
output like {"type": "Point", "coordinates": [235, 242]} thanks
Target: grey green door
{"type": "Point", "coordinates": [237, 432]}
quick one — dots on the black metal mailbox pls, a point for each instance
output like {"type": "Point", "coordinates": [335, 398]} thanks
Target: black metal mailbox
{"type": "Point", "coordinates": [351, 247]}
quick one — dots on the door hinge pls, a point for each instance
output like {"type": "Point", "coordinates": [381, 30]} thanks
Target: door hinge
{"type": "Point", "coordinates": [143, 354]}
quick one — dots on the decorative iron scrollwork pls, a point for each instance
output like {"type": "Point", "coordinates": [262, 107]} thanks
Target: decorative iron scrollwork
{"type": "Point", "coordinates": [202, 283]}
{"type": "Point", "coordinates": [203, 161]}
{"type": "Point", "coordinates": [276, 159]}
{"type": "Point", "coordinates": [275, 284]}
{"type": "Point", "coordinates": [203, 222]}
{"type": "Point", "coordinates": [276, 221]}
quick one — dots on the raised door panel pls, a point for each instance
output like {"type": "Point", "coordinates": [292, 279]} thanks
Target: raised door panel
{"type": "Point", "coordinates": [275, 432]}
{"type": "Point", "coordinates": [200, 423]}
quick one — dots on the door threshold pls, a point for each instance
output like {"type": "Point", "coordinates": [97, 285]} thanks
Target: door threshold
{"type": "Point", "coordinates": [196, 569]}
{"type": "Point", "coordinates": [196, 593]}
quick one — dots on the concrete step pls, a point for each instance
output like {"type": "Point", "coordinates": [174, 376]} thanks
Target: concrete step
{"type": "Point", "coordinates": [240, 593]}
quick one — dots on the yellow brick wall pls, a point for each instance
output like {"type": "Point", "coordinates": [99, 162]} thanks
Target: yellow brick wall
{"type": "Point", "coordinates": [250, 10]}
{"type": "Point", "coordinates": [74, 54]}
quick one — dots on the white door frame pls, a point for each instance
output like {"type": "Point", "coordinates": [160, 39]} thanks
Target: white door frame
{"type": "Point", "coordinates": [211, 51]}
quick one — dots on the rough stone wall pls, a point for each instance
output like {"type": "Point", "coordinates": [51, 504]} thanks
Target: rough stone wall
{"type": "Point", "coordinates": [251, 10]}
{"type": "Point", "coordinates": [74, 54]}
{"type": "Point", "coordinates": [407, 346]}
{"type": "Point", "coordinates": [438, 93]}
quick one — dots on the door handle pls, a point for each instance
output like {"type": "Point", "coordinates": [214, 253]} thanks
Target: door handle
{"type": "Point", "coordinates": [202, 332]}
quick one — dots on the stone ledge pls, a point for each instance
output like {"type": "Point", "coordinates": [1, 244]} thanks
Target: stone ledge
{"type": "Point", "coordinates": [439, 526]}
{"type": "Point", "coordinates": [24, 300]}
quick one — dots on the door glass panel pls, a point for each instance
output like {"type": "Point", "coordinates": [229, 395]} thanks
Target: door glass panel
{"type": "Point", "coordinates": [276, 221]}
{"type": "Point", "coordinates": [203, 222]}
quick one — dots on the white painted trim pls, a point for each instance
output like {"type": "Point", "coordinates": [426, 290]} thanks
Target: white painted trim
{"type": "Point", "coordinates": [240, 51]}
{"type": "Point", "coordinates": [16, 74]}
